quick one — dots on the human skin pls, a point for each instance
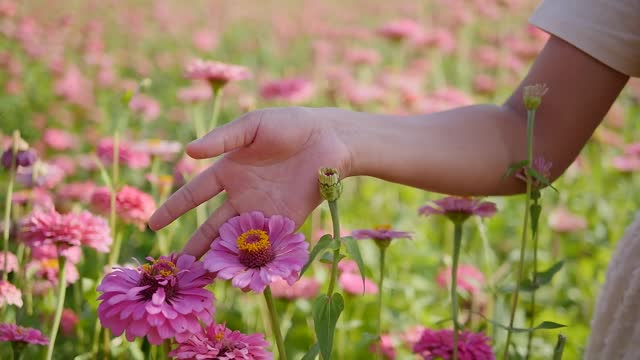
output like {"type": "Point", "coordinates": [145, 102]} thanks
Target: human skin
{"type": "Point", "coordinates": [271, 156]}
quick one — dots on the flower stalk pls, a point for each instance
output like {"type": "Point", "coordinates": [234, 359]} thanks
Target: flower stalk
{"type": "Point", "coordinates": [457, 242]}
{"type": "Point", "coordinates": [275, 323]}
{"type": "Point", "coordinates": [7, 205]}
{"type": "Point", "coordinates": [382, 246]}
{"type": "Point", "coordinates": [62, 287]}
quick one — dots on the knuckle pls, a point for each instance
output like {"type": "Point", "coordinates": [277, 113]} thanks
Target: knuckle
{"type": "Point", "coordinates": [188, 196]}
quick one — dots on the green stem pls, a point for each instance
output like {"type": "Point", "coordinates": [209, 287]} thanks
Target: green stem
{"type": "Point", "coordinates": [516, 293]}
{"type": "Point", "coordinates": [115, 251]}
{"type": "Point", "coordinates": [7, 207]}
{"type": "Point", "coordinates": [457, 241]}
{"type": "Point", "coordinates": [333, 208]}
{"type": "Point", "coordinates": [62, 287]}
{"type": "Point", "coordinates": [559, 349]}
{"type": "Point", "coordinates": [217, 100]}
{"type": "Point", "coordinates": [383, 251]}
{"type": "Point", "coordinates": [533, 292]}
{"type": "Point", "coordinates": [275, 323]}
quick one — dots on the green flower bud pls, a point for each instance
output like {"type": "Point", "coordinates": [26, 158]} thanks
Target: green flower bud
{"type": "Point", "coordinates": [533, 94]}
{"type": "Point", "coordinates": [330, 185]}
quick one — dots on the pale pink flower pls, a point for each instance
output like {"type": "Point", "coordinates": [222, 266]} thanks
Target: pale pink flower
{"type": "Point", "coordinates": [41, 174]}
{"type": "Point", "coordinates": [542, 167]}
{"type": "Point", "coordinates": [563, 221]}
{"type": "Point", "coordinates": [440, 38]}
{"type": "Point", "coordinates": [9, 294]}
{"type": "Point", "coordinates": [386, 347]}
{"type": "Point", "coordinates": [8, 8]}
{"type": "Point", "coordinates": [294, 90]}
{"type": "Point", "coordinates": [403, 29]}
{"type": "Point", "coordinates": [195, 93]}
{"type": "Point", "coordinates": [216, 73]}
{"type": "Point", "coordinates": [76, 191]}
{"type": "Point", "coordinates": [163, 299]}
{"type": "Point", "coordinates": [412, 335]}
{"type": "Point", "coordinates": [626, 163]}
{"type": "Point", "coordinates": [132, 205]}
{"type": "Point", "coordinates": [438, 344]}
{"type": "Point", "coordinates": [205, 40]}
{"type": "Point", "coordinates": [38, 198]}
{"type": "Point", "coordinates": [469, 278]}
{"type": "Point", "coordinates": [361, 94]}
{"type": "Point", "coordinates": [74, 87]}
{"type": "Point", "coordinates": [380, 232]}
{"type": "Point", "coordinates": [484, 84]}
{"type": "Point", "coordinates": [348, 266]}
{"type": "Point", "coordinates": [156, 147]}
{"type": "Point", "coordinates": [8, 262]}
{"type": "Point", "coordinates": [19, 334]}
{"type": "Point", "coordinates": [47, 274]}
{"type": "Point", "coordinates": [362, 56]}
{"type": "Point", "coordinates": [59, 139]}
{"type": "Point", "coordinates": [351, 282]}
{"type": "Point", "coordinates": [304, 288]}
{"type": "Point", "coordinates": [65, 163]}
{"type": "Point", "coordinates": [145, 106]}
{"type": "Point", "coordinates": [459, 208]}
{"type": "Point", "coordinates": [127, 155]}
{"type": "Point", "coordinates": [45, 252]}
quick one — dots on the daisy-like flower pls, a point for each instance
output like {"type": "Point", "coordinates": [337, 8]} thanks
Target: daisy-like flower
{"type": "Point", "coordinates": [304, 288]}
{"type": "Point", "coordinates": [217, 342]}
{"type": "Point", "coordinates": [217, 74]}
{"type": "Point", "coordinates": [469, 278]}
{"type": "Point", "coordinates": [19, 334]}
{"type": "Point", "coordinates": [132, 205]}
{"type": "Point", "coordinates": [66, 231]}
{"type": "Point", "coordinates": [127, 154]}
{"type": "Point", "coordinates": [438, 344]}
{"type": "Point", "coordinates": [381, 234]}
{"type": "Point", "coordinates": [163, 299]}
{"type": "Point", "coordinates": [292, 90]}
{"type": "Point", "coordinates": [8, 262]}
{"type": "Point", "coordinates": [9, 294]}
{"type": "Point", "coordinates": [253, 251]}
{"type": "Point", "coordinates": [458, 208]}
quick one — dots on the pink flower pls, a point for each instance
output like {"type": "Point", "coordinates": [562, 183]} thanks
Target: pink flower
{"type": "Point", "coordinates": [469, 278]}
{"type": "Point", "coordinates": [381, 232]}
{"type": "Point", "coordinates": [304, 288]}
{"type": "Point", "coordinates": [351, 282]}
{"type": "Point", "coordinates": [216, 73]}
{"type": "Point", "coordinates": [217, 342]}
{"type": "Point", "coordinates": [59, 139]}
{"type": "Point", "coordinates": [66, 231]}
{"type": "Point", "coordinates": [542, 167]}
{"type": "Point", "coordinates": [563, 221]}
{"type": "Point", "coordinates": [386, 347]}
{"type": "Point", "coordinates": [626, 163]}
{"type": "Point", "coordinates": [195, 93]}
{"type": "Point", "coordinates": [160, 300]}
{"type": "Point", "coordinates": [76, 191]}
{"type": "Point", "coordinates": [69, 322]}
{"type": "Point", "coordinates": [438, 344]}
{"type": "Point", "coordinates": [15, 333]}
{"type": "Point", "coordinates": [41, 174]}
{"type": "Point", "coordinates": [9, 294]}
{"type": "Point", "coordinates": [47, 272]}
{"type": "Point", "coordinates": [74, 87]}
{"type": "Point", "coordinates": [484, 84]}
{"type": "Point", "coordinates": [361, 56]}
{"type": "Point", "coordinates": [156, 147]}
{"type": "Point", "coordinates": [145, 106]}
{"type": "Point", "coordinates": [458, 208]}
{"type": "Point", "coordinates": [45, 252]}
{"type": "Point", "coordinates": [11, 262]}
{"type": "Point", "coordinates": [37, 197]}
{"type": "Point", "coordinates": [292, 90]}
{"type": "Point", "coordinates": [403, 29]}
{"type": "Point", "coordinates": [205, 40]}
{"type": "Point", "coordinates": [132, 205]}
{"type": "Point", "coordinates": [127, 155]}
{"type": "Point", "coordinates": [253, 251]}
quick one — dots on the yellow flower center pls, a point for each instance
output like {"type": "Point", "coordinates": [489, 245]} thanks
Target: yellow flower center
{"type": "Point", "coordinates": [50, 264]}
{"type": "Point", "coordinates": [253, 241]}
{"type": "Point", "coordinates": [383, 227]}
{"type": "Point", "coordinates": [160, 267]}
{"type": "Point", "coordinates": [219, 336]}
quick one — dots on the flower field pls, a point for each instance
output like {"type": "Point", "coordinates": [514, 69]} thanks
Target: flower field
{"type": "Point", "coordinates": [100, 98]}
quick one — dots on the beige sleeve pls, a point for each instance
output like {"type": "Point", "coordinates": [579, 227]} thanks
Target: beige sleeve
{"type": "Point", "coordinates": [608, 30]}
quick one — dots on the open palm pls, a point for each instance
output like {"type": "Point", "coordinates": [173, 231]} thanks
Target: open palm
{"type": "Point", "coordinates": [271, 161]}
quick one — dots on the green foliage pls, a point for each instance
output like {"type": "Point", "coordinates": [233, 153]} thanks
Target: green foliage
{"type": "Point", "coordinates": [326, 312]}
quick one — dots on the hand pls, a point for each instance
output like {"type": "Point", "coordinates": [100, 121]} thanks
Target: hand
{"type": "Point", "coordinates": [271, 161]}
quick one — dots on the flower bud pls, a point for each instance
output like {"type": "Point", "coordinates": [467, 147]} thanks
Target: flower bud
{"type": "Point", "coordinates": [330, 185]}
{"type": "Point", "coordinates": [18, 154]}
{"type": "Point", "coordinates": [533, 94]}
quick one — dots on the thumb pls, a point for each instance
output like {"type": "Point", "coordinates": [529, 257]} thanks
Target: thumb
{"type": "Point", "coordinates": [235, 134]}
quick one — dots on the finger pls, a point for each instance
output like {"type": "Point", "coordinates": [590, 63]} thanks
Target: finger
{"type": "Point", "coordinates": [200, 189]}
{"type": "Point", "coordinates": [201, 240]}
{"type": "Point", "coordinates": [238, 133]}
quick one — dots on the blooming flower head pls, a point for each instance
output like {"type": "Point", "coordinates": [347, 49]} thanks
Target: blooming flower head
{"type": "Point", "coordinates": [40, 174]}
{"type": "Point", "coordinates": [292, 90]}
{"type": "Point", "coordinates": [8, 262]}
{"type": "Point", "coordinates": [542, 167]}
{"type": "Point", "coordinates": [217, 342]}
{"type": "Point", "coordinates": [381, 234]}
{"type": "Point", "coordinates": [24, 156]}
{"type": "Point", "coordinates": [385, 344]}
{"type": "Point", "coordinates": [157, 147]}
{"type": "Point", "coordinates": [458, 208]}
{"type": "Point", "coordinates": [66, 230]}
{"type": "Point", "coordinates": [76, 191]}
{"type": "Point", "coordinates": [59, 139]}
{"type": "Point", "coordinates": [351, 282]}
{"type": "Point", "coordinates": [253, 251]}
{"type": "Point", "coordinates": [304, 288]}
{"type": "Point", "coordinates": [69, 321]}
{"type": "Point", "coordinates": [145, 106]}
{"type": "Point", "coordinates": [15, 333]}
{"type": "Point", "coordinates": [47, 274]}
{"type": "Point", "coordinates": [469, 278]}
{"type": "Point", "coordinates": [563, 221]}
{"type": "Point", "coordinates": [9, 294]}
{"type": "Point", "coordinates": [127, 154]}
{"type": "Point", "coordinates": [403, 29]}
{"type": "Point", "coordinates": [217, 74]}
{"type": "Point", "coordinates": [132, 205]}
{"type": "Point", "coordinates": [195, 93]}
{"type": "Point", "coordinates": [163, 299]}
{"type": "Point", "coordinates": [438, 344]}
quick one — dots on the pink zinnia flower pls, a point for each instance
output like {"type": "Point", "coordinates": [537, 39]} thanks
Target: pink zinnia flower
{"type": "Point", "coordinates": [563, 221]}
{"type": "Point", "coordinates": [304, 288]}
{"type": "Point", "coordinates": [161, 300]}
{"type": "Point", "coordinates": [127, 155]}
{"type": "Point", "coordinates": [156, 147]}
{"type": "Point", "coordinates": [351, 282]}
{"type": "Point", "coordinates": [292, 90]}
{"type": "Point", "coordinates": [398, 30]}
{"type": "Point", "coordinates": [19, 334]}
{"type": "Point", "coordinates": [8, 262]}
{"type": "Point", "coordinates": [59, 139]}
{"type": "Point", "coordinates": [132, 205]}
{"type": "Point", "coordinates": [386, 347]}
{"type": "Point", "coordinates": [438, 344]}
{"type": "Point", "coordinates": [626, 163]}
{"type": "Point", "coordinates": [360, 56]}
{"type": "Point", "coordinates": [217, 342]}
{"type": "Point", "coordinates": [542, 167]}
{"type": "Point", "coordinates": [145, 106]}
{"type": "Point", "coordinates": [47, 273]}
{"type": "Point", "coordinates": [205, 40]}
{"type": "Point", "coordinates": [45, 252]}
{"type": "Point", "coordinates": [216, 73]}
{"type": "Point", "coordinates": [253, 251]}
{"type": "Point", "coordinates": [66, 231]}
{"type": "Point", "coordinates": [69, 321]}
{"type": "Point", "coordinates": [195, 93]}
{"type": "Point", "coordinates": [38, 198]}
{"type": "Point", "coordinates": [9, 294]}
{"type": "Point", "coordinates": [469, 278]}
{"type": "Point", "coordinates": [74, 87]}
{"type": "Point", "coordinates": [458, 208]}
{"type": "Point", "coordinates": [380, 233]}
{"type": "Point", "coordinates": [76, 191]}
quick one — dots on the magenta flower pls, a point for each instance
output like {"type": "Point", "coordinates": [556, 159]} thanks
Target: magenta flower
{"type": "Point", "coordinates": [161, 300]}
{"type": "Point", "coordinates": [127, 155]}
{"type": "Point", "coordinates": [469, 278]}
{"type": "Point", "coordinates": [217, 74]}
{"type": "Point", "coordinates": [542, 167]}
{"type": "Point", "coordinates": [304, 288]}
{"type": "Point", "coordinates": [217, 342]}
{"type": "Point", "coordinates": [9, 294]}
{"type": "Point", "coordinates": [438, 344]}
{"type": "Point", "coordinates": [132, 205]}
{"type": "Point", "coordinates": [23, 158]}
{"type": "Point", "coordinates": [293, 90]}
{"type": "Point", "coordinates": [253, 251]}
{"type": "Point", "coordinates": [458, 208]}
{"type": "Point", "coordinates": [11, 263]}
{"type": "Point", "coordinates": [69, 321]}
{"type": "Point", "coordinates": [380, 233]}
{"type": "Point", "coordinates": [66, 230]}
{"type": "Point", "coordinates": [19, 334]}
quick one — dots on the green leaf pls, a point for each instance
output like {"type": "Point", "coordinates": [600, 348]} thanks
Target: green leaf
{"type": "Point", "coordinates": [327, 258]}
{"type": "Point", "coordinates": [312, 353]}
{"type": "Point", "coordinates": [515, 167]}
{"type": "Point", "coordinates": [536, 175]}
{"type": "Point", "coordinates": [535, 217]}
{"type": "Point", "coordinates": [559, 349]}
{"type": "Point", "coordinates": [354, 251]}
{"type": "Point", "coordinates": [545, 277]}
{"type": "Point", "coordinates": [321, 245]}
{"type": "Point", "coordinates": [545, 325]}
{"type": "Point", "coordinates": [326, 312]}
